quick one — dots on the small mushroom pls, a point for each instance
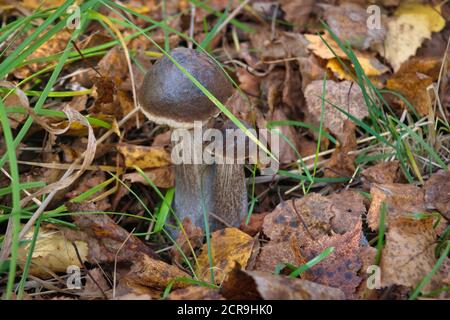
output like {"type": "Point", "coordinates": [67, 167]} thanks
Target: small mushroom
{"type": "Point", "coordinates": [168, 97]}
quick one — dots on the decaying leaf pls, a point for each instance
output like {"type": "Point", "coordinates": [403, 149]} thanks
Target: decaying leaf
{"type": "Point", "coordinates": [408, 255]}
{"type": "Point", "coordinates": [195, 293]}
{"type": "Point", "coordinates": [297, 11]}
{"type": "Point", "coordinates": [144, 157]}
{"type": "Point", "coordinates": [192, 240]}
{"type": "Point", "coordinates": [437, 193]}
{"type": "Point", "coordinates": [229, 246]}
{"type": "Point", "coordinates": [412, 24]}
{"type": "Point", "coordinates": [104, 237]}
{"type": "Point", "coordinates": [345, 95]}
{"type": "Point", "coordinates": [53, 251]}
{"type": "Point", "coordinates": [156, 273]}
{"type": "Point", "coordinates": [274, 253]}
{"type": "Point", "coordinates": [381, 173]}
{"type": "Point", "coordinates": [310, 217]}
{"type": "Point", "coordinates": [349, 21]}
{"type": "Point", "coordinates": [342, 161]}
{"type": "Point", "coordinates": [340, 268]}
{"type": "Point", "coordinates": [252, 285]}
{"type": "Point", "coordinates": [162, 177]}
{"type": "Point", "coordinates": [400, 199]}
{"type": "Point", "coordinates": [54, 45]}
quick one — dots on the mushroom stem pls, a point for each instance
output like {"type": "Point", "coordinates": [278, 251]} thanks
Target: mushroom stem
{"type": "Point", "coordinates": [230, 194]}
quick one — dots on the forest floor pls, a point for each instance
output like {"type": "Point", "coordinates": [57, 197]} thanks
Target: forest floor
{"type": "Point", "coordinates": [356, 91]}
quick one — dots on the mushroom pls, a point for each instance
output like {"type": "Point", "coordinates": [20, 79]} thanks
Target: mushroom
{"type": "Point", "coordinates": [168, 97]}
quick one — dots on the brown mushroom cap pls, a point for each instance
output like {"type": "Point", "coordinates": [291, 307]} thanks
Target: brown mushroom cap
{"type": "Point", "coordinates": [169, 97]}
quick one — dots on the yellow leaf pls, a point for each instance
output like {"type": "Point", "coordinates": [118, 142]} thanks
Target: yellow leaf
{"type": "Point", "coordinates": [52, 252]}
{"type": "Point", "coordinates": [144, 157]}
{"type": "Point", "coordinates": [228, 246]}
{"type": "Point", "coordinates": [412, 24]}
{"type": "Point", "coordinates": [370, 65]}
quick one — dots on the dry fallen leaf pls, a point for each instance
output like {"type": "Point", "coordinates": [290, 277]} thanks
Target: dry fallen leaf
{"type": "Point", "coordinates": [156, 273]}
{"type": "Point", "coordinates": [400, 199]}
{"type": "Point", "coordinates": [342, 162]}
{"type": "Point", "coordinates": [192, 239]}
{"type": "Point", "coordinates": [229, 246]}
{"type": "Point", "coordinates": [408, 254]}
{"type": "Point", "coordinates": [381, 173]}
{"type": "Point", "coordinates": [297, 12]}
{"type": "Point", "coordinates": [104, 237]}
{"type": "Point", "coordinates": [345, 95]}
{"type": "Point", "coordinates": [368, 62]}
{"type": "Point", "coordinates": [144, 157]}
{"type": "Point", "coordinates": [252, 285]}
{"type": "Point", "coordinates": [437, 193]}
{"type": "Point", "coordinates": [340, 268]}
{"type": "Point", "coordinates": [195, 293]}
{"type": "Point", "coordinates": [53, 251]}
{"type": "Point", "coordinates": [310, 217]}
{"type": "Point", "coordinates": [163, 177]}
{"type": "Point", "coordinates": [349, 22]}
{"type": "Point", "coordinates": [412, 24]}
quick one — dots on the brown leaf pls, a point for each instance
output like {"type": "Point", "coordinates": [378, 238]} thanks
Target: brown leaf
{"type": "Point", "coordinates": [104, 236]}
{"type": "Point", "coordinates": [144, 157]}
{"type": "Point", "coordinates": [437, 193]}
{"type": "Point", "coordinates": [255, 224]}
{"type": "Point", "coordinates": [162, 177]}
{"type": "Point", "coordinates": [156, 273]}
{"type": "Point", "coordinates": [274, 253]}
{"type": "Point", "coordinates": [54, 45]}
{"type": "Point", "coordinates": [340, 268]}
{"type": "Point", "coordinates": [348, 208]}
{"type": "Point", "coordinates": [349, 22]}
{"type": "Point", "coordinates": [413, 86]}
{"type": "Point", "coordinates": [287, 153]}
{"type": "Point", "coordinates": [195, 293]}
{"type": "Point", "coordinates": [342, 162]}
{"type": "Point", "coordinates": [344, 95]}
{"type": "Point", "coordinates": [297, 12]}
{"type": "Point", "coordinates": [408, 255]}
{"type": "Point", "coordinates": [313, 212]}
{"type": "Point", "coordinates": [252, 285]}
{"type": "Point", "coordinates": [192, 239]}
{"type": "Point", "coordinates": [381, 173]}
{"type": "Point", "coordinates": [229, 246]}
{"type": "Point", "coordinates": [400, 199]}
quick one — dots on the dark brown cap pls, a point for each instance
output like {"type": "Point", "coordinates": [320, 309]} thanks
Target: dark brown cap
{"type": "Point", "coordinates": [169, 97]}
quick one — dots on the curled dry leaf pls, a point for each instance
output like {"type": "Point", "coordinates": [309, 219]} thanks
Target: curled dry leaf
{"type": "Point", "coordinates": [349, 22]}
{"type": "Point", "coordinates": [340, 268]}
{"type": "Point", "coordinates": [229, 246]}
{"type": "Point", "coordinates": [144, 157]}
{"type": "Point", "coordinates": [53, 251]}
{"type": "Point", "coordinates": [381, 173]}
{"type": "Point", "coordinates": [255, 224]}
{"type": "Point", "coordinates": [412, 24]}
{"type": "Point", "coordinates": [408, 255]}
{"type": "Point", "coordinates": [345, 95]}
{"type": "Point", "coordinates": [437, 193]}
{"type": "Point", "coordinates": [256, 285]}
{"type": "Point", "coordinates": [400, 199]}
{"type": "Point", "coordinates": [342, 161]}
{"type": "Point", "coordinates": [195, 293]}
